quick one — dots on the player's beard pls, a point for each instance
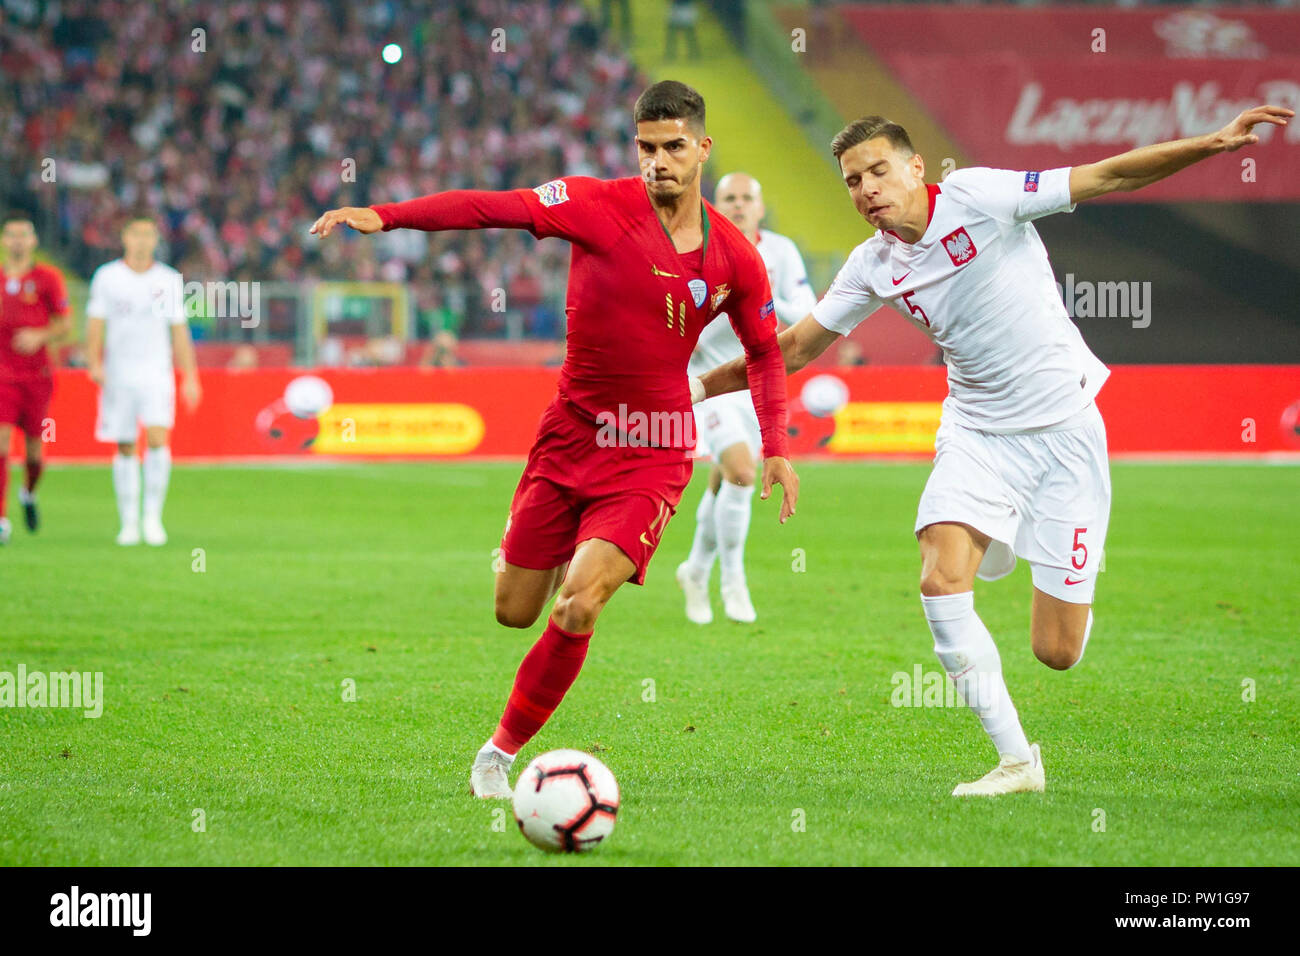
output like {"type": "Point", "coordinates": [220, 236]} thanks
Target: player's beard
{"type": "Point", "coordinates": [669, 198]}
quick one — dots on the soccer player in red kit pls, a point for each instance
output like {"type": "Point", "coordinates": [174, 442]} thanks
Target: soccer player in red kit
{"type": "Point", "coordinates": [33, 315]}
{"type": "Point", "coordinates": [652, 264]}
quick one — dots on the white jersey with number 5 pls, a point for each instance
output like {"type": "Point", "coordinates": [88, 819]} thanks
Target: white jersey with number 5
{"type": "Point", "coordinates": [792, 296]}
{"type": "Point", "coordinates": [979, 283]}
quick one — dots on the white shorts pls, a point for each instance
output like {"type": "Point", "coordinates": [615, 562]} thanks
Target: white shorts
{"type": "Point", "coordinates": [124, 408]}
{"type": "Point", "coordinates": [724, 421]}
{"type": "Point", "coordinates": [1044, 496]}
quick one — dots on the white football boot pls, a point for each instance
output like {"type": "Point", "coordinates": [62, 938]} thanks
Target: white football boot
{"type": "Point", "coordinates": [129, 535]}
{"type": "Point", "coordinates": [488, 778]}
{"type": "Point", "coordinates": [698, 608]}
{"type": "Point", "coordinates": [154, 533]}
{"type": "Point", "coordinates": [736, 602]}
{"type": "Point", "coordinates": [1009, 776]}
{"type": "Point", "coordinates": [6, 529]}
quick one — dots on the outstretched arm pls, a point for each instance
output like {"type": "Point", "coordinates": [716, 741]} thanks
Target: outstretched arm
{"type": "Point", "coordinates": [1149, 164]}
{"type": "Point", "coordinates": [800, 344]}
{"type": "Point", "coordinates": [454, 209]}
{"type": "Point", "coordinates": [361, 218]}
{"type": "Point", "coordinates": [570, 208]}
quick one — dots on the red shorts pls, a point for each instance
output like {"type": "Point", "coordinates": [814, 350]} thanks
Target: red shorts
{"type": "Point", "coordinates": [26, 403]}
{"type": "Point", "coordinates": [573, 489]}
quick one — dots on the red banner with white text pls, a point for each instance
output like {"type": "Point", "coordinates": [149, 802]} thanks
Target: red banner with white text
{"type": "Point", "coordinates": [1046, 87]}
{"type": "Point", "coordinates": [493, 413]}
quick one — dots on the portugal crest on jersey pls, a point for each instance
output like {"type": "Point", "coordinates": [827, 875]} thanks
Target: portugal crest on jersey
{"type": "Point", "coordinates": [720, 293]}
{"type": "Point", "coordinates": [959, 247]}
{"type": "Point", "coordinates": [699, 289]}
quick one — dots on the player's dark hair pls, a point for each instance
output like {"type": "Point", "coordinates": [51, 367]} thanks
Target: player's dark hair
{"type": "Point", "coordinates": [17, 215]}
{"type": "Point", "coordinates": [139, 217]}
{"type": "Point", "coordinates": [669, 99]}
{"type": "Point", "coordinates": [869, 127]}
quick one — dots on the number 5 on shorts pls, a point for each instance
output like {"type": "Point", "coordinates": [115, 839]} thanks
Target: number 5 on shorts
{"type": "Point", "coordinates": [1076, 562]}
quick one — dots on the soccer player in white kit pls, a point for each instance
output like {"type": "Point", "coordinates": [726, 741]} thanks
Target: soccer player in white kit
{"type": "Point", "coordinates": [135, 323]}
{"type": "Point", "coordinates": [727, 426]}
{"type": "Point", "coordinates": [1020, 462]}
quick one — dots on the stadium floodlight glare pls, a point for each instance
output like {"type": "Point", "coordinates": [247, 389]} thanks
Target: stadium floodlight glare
{"type": "Point", "coordinates": [392, 53]}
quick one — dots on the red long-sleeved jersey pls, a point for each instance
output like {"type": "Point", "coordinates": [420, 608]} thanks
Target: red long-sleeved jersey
{"type": "Point", "coordinates": [635, 305]}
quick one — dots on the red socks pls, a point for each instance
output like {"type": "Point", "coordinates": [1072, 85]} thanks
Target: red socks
{"type": "Point", "coordinates": [545, 676]}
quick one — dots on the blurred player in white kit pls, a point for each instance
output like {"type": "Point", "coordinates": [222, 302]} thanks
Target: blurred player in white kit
{"type": "Point", "coordinates": [135, 323]}
{"type": "Point", "coordinates": [727, 426]}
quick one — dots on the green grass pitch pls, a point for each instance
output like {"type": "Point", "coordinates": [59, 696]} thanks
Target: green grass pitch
{"type": "Point", "coordinates": [771, 744]}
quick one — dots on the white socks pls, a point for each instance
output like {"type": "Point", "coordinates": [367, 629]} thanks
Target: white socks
{"type": "Point", "coordinates": [705, 546]}
{"type": "Point", "coordinates": [157, 471]}
{"type": "Point", "coordinates": [490, 748]}
{"type": "Point", "coordinates": [721, 526]}
{"type": "Point", "coordinates": [731, 512]}
{"type": "Point", "coordinates": [126, 484]}
{"type": "Point", "coordinates": [967, 652]}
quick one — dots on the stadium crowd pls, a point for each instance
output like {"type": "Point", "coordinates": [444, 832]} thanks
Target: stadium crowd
{"type": "Point", "coordinates": [236, 124]}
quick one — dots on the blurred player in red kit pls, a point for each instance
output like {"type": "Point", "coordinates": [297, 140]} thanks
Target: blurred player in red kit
{"type": "Point", "coordinates": [34, 315]}
{"type": "Point", "coordinates": [652, 265]}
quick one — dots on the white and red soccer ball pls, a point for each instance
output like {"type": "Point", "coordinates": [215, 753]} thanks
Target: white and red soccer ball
{"type": "Point", "coordinates": [566, 801]}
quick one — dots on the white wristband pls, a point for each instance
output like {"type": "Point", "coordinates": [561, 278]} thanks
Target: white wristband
{"type": "Point", "coordinates": [697, 390]}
